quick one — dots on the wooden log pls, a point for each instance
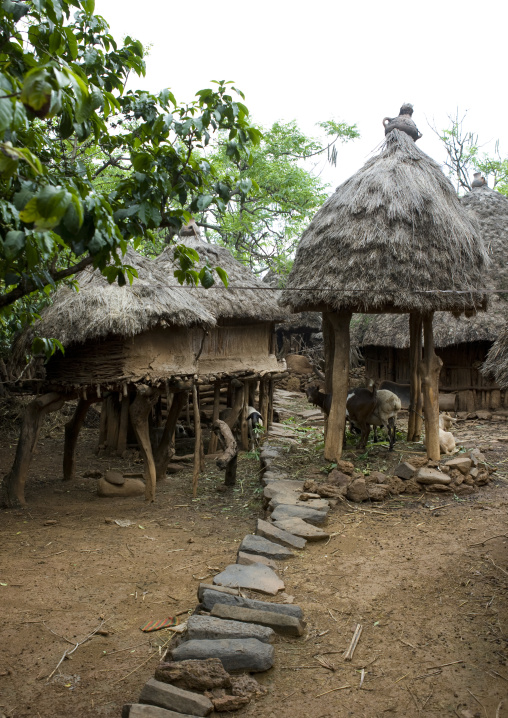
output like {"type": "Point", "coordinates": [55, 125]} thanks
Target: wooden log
{"type": "Point", "coordinates": [244, 429]}
{"type": "Point", "coordinates": [227, 460]}
{"type": "Point", "coordinates": [14, 482]}
{"type": "Point", "coordinates": [340, 378]}
{"type": "Point", "coordinates": [430, 368]}
{"type": "Point", "coordinates": [166, 448]}
{"type": "Point", "coordinates": [414, 426]}
{"type": "Point", "coordinates": [123, 426]}
{"type": "Point", "coordinates": [139, 411]}
{"type": "Point", "coordinates": [71, 433]}
{"type": "Point", "coordinates": [197, 443]}
{"type": "Point", "coordinates": [212, 444]}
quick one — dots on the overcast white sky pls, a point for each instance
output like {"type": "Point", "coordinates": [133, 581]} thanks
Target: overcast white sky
{"type": "Point", "coordinates": [350, 61]}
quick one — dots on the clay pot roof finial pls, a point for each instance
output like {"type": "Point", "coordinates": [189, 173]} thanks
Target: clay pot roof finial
{"type": "Point", "coordinates": [403, 122]}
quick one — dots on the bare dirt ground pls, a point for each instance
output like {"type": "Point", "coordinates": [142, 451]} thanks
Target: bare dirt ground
{"type": "Point", "coordinates": [425, 575]}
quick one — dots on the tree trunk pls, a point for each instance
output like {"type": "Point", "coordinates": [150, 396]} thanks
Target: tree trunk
{"type": "Point", "coordinates": [139, 411]}
{"type": "Point", "coordinates": [197, 443]}
{"type": "Point", "coordinates": [14, 482]}
{"type": "Point", "coordinates": [414, 426]}
{"type": "Point", "coordinates": [329, 347]}
{"type": "Point", "coordinates": [212, 444]}
{"type": "Point", "coordinates": [340, 378]}
{"type": "Point", "coordinates": [430, 368]}
{"type": "Point", "coordinates": [227, 460]}
{"type": "Point", "coordinates": [166, 448]}
{"type": "Point", "coordinates": [72, 429]}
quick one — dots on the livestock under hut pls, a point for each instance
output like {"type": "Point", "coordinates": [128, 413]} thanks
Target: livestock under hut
{"type": "Point", "coordinates": [462, 343]}
{"type": "Point", "coordinates": [392, 239]}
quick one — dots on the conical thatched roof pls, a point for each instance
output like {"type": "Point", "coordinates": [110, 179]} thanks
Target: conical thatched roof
{"type": "Point", "coordinates": [100, 309]}
{"type": "Point", "coordinates": [496, 364]}
{"type": "Point", "coordinates": [246, 298]}
{"type": "Point", "coordinates": [295, 322]}
{"type": "Point", "coordinates": [388, 238]}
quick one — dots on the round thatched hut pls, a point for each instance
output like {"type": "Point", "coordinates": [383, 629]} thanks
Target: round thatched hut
{"type": "Point", "coordinates": [462, 343]}
{"type": "Point", "coordinates": [496, 364]}
{"type": "Point", "coordinates": [393, 238]}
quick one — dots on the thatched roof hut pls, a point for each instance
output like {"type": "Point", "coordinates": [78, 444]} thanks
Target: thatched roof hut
{"type": "Point", "coordinates": [393, 238]}
{"type": "Point", "coordinates": [496, 364]}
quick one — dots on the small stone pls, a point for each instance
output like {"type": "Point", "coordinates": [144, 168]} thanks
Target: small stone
{"type": "Point", "coordinates": [272, 533]}
{"type": "Point", "coordinates": [306, 496]}
{"type": "Point", "coordinates": [345, 466]}
{"type": "Point", "coordinates": [236, 655]}
{"type": "Point", "coordinates": [396, 485]}
{"type": "Point", "coordinates": [284, 625]}
{"type": "Point", "coordinates": [464, 489]}
{"type": "Point", "coordinates": [174, 468]}
{"type": "Point", "coordinates": [445, 469]}
{"type": "Point", "coordinates": [248, 559]}
{"type": "Point", "coordinates": [376, 477]}
{"type": "Point", "coordinates": [131, 487]}
{"type": "Point", "coordinates": [176, 699]}
{"type": "Point", "coordinates": [357, 491]}
{"type": "Point", "coordinates": [298, 527]}
{"type": "Point", "coordinates": [462, 463]}
{"type": "Point", "coordinates": [302, 512]}
{"type": "Point", "coordinates": [256, 577]}
{"type": "Point", "coordinates": [92, 474]}
{"type": "Point", "coordinates": [477, 457]}
{"type": "Point", "coordinates": [218, 589]}
{"type": "Point", "coordinates": [229, 703]}
{"type": "Point", "coordinates": [264, 547]}
{"type": "Point", "coordinates": [138, 710]}
{"type": "Point", "coordinates": [333, 491]}
{"type": "Point", "coordinates": [412, 487]}
{"type": "Point", "coordinates": [272, 475]}
{"type": "Point", "coordinates": [469, 481]}
{"type": "Point", "coordinates": [431, 476]}
{"type": "Point", "coordinates": [275, 488]}
{"type": "Point", "coordinates": [114, 477]}
{"type": "Point", "coordinates": [474, 472]}
{"type": "Point", "coordinates": [210, 598]}
{"type": "Point", "coordinates": [339, 478]}
{"type": "Point", "coordinates": [483, 478]}
{"type": "Point", "coordinates": [437, 488]}
{"type": "Point", "coordinates": [378, 492]}
{"type": "Point", "coordinates": [246, 685]}
{"type": "Point", "coordinates": [194, 675]}
{"type": "Point", "coordinates": [404, 470]}
{"type": "Point", "coordinates": [210, 628]}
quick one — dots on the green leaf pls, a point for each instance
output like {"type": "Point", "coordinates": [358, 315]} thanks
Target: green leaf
{"type": "Point", "coordinates": [223, 275]}
{"type": "Point", "coordinates": [6, 114]}
{"type": "Point", "coordinates": [71, 41]}
{"type": "Point", "coordinates": [206, 278]}
{"type": "Point", "coordinates": [204, 201]}
{"type": "Point", "coordinates": [16, 9]}
{"type": "Point", "coordinates": [89, 6]}
{"type": "Point", "coordinates": [36, 92]}
{"type": "Point", "coordinates": [13, 244]}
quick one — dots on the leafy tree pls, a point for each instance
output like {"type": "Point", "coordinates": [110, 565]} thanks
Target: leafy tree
{"type": "Point", "coordinates": [66, 122]}
{"type": "Point", "coordinates": [275, 195]}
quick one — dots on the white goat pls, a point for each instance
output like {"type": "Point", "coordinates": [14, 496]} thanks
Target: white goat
{"type": "Point", "coordinates": [446, 438]}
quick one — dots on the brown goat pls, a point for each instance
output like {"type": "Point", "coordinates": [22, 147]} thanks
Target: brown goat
{"type": "Point", "coordinates": [360, 406]}
{"type": "Point", "coordinates": [319, 398]}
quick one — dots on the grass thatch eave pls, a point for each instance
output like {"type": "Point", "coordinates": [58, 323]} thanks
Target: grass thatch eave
{"type": "Point", "coordinates": [496, 364]}
{"type": "Point", "coordinates": [246, 299]}
{"type": "Point", "coordinates": [394, 237]}
{"type": "Point", "coordinates": [99, 309]}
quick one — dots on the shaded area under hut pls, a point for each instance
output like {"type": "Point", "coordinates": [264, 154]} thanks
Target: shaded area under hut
{"type": "Point", "coordinates": [462, 343]}
{"type": "Point", "coordinates": [392, 239]}
{"type": "Point", "coordinates": [127, 347]}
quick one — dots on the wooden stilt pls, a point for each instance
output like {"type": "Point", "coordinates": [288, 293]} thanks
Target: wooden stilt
{"type": "Point", "coordinates": [139, 410]}
{"type": "Point", "coordinates": [103, 426]}
{"type": "Point", "coordinates": [123, 426]}
{"type": "Point", "coordinates": [166, 448]}
{"type": "Point", "coordinates": [197, 444]}
{"type": "Point", "coordinates": [113, 409]}
{"type": "Point", "coordinates": [414, 426]}
{"type": "Point", "coordinates": [212, 444]}
{"type": "Point", "coordinates": [263, 401]}
{"type": "Point", "coordinates": [430, 368]}
{"type": "Point", "coordinates": [271, 387]}
{"type": "Point", "coordinates": [72, 428]}
{"type": "Point", "coordinates": [227, 460]}
{"type": "Point", "coordinates": [329, 344]}
{"type": "Point", "coordinates": [244, 430]}
{"type": "Point", "coordinates": [340, 377]}
{"type": "Point", "coordinates": [36, 410]}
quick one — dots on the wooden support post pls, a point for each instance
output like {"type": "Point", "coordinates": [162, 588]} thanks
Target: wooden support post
{"type": "Point", "coordinates": [197, 443]}
{"type": "Point", "coordinates": [113, 421]}
{"type": "Point", "coordinates": [263, 402]}
{"type": "Point", "coordinates": [414, 426]}
{"type": "Point", "coordinates": [271, 387]}
{"type": "Point", "coordinates": [227, 460]}
{"type": "Point", "coordinates": [430, 368]}
{"type": "Point", "coordinates": [139, 411]}
{"type": "Point", "coordinates": [340, 378]}
{"type": "Point", "coordinates": [14, 481]}
{"type": "Point", "coordinates": [164, 452]}
{"type": "Point", "coordinates": [123, 426]}
{"type": "Point", "coordinates": [244, 429]}
{"type": "Point", "coordinates": [212, 444]}
{"type": "Point", "coordinates": [329, 347]}
{"type": "Point", "coordinates": [72, 428]}
{"type": "Point", "coordinates": [103, 426]}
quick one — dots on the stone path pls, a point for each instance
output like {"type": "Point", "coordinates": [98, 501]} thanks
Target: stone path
{"type": "Point", "coordinates": [229, 632]}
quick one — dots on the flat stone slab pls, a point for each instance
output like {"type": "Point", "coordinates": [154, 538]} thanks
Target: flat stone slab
{"type": "Point", "coordinates": [247, 654]}
{"type": "Point", "coordinates": [264, 547]}
{"type": "Point", "coordinates": [432, 476]}
{"type": "Point", "coordinates": [138, 710]}
{"type": "Point", "coordinates": [194, 675]}
{"type": "Point", "coordinates": [256, 577]}
{"type": "Point", "coordinates": [248, 559]}
{"type": "Point", "coordinates": [284, 538]}
{"type": "Point", "coordinates": [462, 463]}
{"type": "Point", "coordinates": [299, 527]}
{"type": "Point", "coordinates": [285, 511]}
{"type": "Point", "coordinates": [213, 628]}
{"type": "Point", "coordinates": [283, 486]}
{"type": "Point", "coordinates": [218, 589]}
{"type": "Point", "coordinates": [285, 625]}
{"type": "Point", "coordinates": [176, 699]}
{"type": "Point", "coordinates": [270, 476]}
{"type": "Point", "coordinates": [210, 598]}
{"type": "Point", "coordinates": [294, 500]}
{"type": "Point", "coordinates": [404, 470]}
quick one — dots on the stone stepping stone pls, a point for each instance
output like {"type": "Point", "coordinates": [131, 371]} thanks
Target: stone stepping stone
{"type": "Point", "coordinates": [276, 535]}
{"type": "Point", "coordinates": [432, 476]}
{"type": "Point", "coordinates": [462, 463]}
{"type": "Point", "coordinates": [138, 710]}
{"type": "Point", "coordinates": [256, 577]}
{"type": "Point", "coordinates": [285, 511]}
{"type": "Point", "coordinates": [210, 598]}
{"type": "Point", "coordinates": [175, 699]}
{"type": "Point", "coordinates": [273, 475]}
{"type": "Point", "coordinates": [263, 547]}
{"type": "Point", "coordinates": [197, 676]}
{"type": "Point", "coordinates": [212, 628]}
{"type": "Point", "coordinates": [294, 500]}
{"type": "Point", "coordinates": [285, 625]}
{"type": "Point", "coordinates": [218, 589]}
{"type": "Point", "coordinates": [282, 486]}
{"type": "Point", "coordinates": [247, 654]}
{"type": "Point", "coordinates": [248, 559]}
{"type": "Point", "coordinates": [299, 527]}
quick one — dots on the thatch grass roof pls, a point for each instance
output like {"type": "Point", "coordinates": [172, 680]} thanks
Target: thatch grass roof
{"type": "Point", "coordinates": [496, 364]}
{"type": "Point", "coordinates": [295, 322]}
{"type": "Point", "coordinates": [246, 299]}
{"type": "Point", "coordinates": [388, 238]}
{"type": "Point", "coordinates": [100, 309]}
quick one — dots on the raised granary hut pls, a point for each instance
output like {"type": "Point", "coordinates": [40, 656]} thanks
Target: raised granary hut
{"type": "Point", "coordinates": [393, 238]}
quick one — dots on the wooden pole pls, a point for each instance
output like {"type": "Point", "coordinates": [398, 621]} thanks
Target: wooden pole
{"type": "Point", "coordinates": [329, 344]}
{"type": "Point", "coordinates": [244, 430]}
{"type": "Point", "coordinates": [123, 426]}
{"type": "Point", "coordinates": [340, 378]}
{"type": "Point", "coordinates": [212, 444]}
{"type": "Point", "coordinates": [414, 426]}
{"type": "Point", "coordinates": [263, 401]}
{"type": "Point", "coordinates": [197, 444]}
{"type": "Point", "coordinates": [166, 448]}
{"type": "Point", "coordinates": [430, 368]}
{"type": "Point", "coordinates": [113, 409]}
{"type": "Point", "coordinates": [269, 421]}
{"type": "Point", "coordinates": [139, 410]}
{"type": "Point", "coordinates": [72, 428]}
{"type": "Point", "coordinates": [103, 426]}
